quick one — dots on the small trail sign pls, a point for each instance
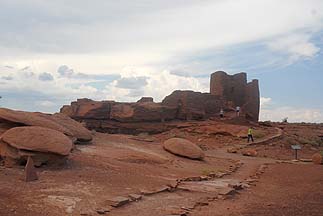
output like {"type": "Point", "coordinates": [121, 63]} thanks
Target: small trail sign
{"type": "Point", "coordinates": [296, 148]}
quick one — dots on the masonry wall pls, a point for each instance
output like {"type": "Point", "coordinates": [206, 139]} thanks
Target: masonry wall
{"type": "Point", "coordinates": [236, 91]}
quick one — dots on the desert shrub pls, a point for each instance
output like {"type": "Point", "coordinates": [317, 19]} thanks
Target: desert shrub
{"type": "Point", "coordinates": [285, 120]}
{"type": "Point", "coordinates": [266, 123]}
{"type": "Point", "coordinates": [292, 141]}
{"type": "Point", "coordinates": [258, 134]}
{"type": "Point", "coordinates": [303, 141]}
{"type": "Point", "coordinates": [207, 172]}
{"type": "Point", "coordinates": [310, 141]}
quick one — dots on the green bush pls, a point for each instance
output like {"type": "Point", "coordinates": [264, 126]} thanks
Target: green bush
{"type": "Point", "coordinates": [258, 134]}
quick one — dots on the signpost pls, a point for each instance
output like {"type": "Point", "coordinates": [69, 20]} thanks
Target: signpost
{"type": "Point", "coordinates": [296, 148]}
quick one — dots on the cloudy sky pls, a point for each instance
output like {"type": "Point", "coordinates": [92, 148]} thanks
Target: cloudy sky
{"type": "Point", "coordinates": [53, 52]}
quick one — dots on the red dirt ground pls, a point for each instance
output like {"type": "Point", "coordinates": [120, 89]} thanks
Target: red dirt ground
{"type": "Point", "coordinates": [119, 165]}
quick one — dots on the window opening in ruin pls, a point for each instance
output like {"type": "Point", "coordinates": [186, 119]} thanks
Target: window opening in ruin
{"type": "Point", "coordinates": [232, 89]}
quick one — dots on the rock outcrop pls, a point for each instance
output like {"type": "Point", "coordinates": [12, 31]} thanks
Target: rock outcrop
{"type": "Point", "coordinates": [59, 122]}
{"type": "Point", "coordinates": [141, 112]}
{"type": "Point", "coordinates": [81, 134]}
{"type": "Point", "coordinates": [31, 119]}
{"type": "Point", "coordinates": [146, 100]}
{"type": "Point", "coordinates": [192, 105]}
{"type": "Point", "coordinates": [88, 109]}
{"type": "Point", "coordinates": [38, 139]}
{"type": "Point", "coordinates": [236, 91]}
{"type": "Point", "coordinates": [226, 92]}
{"type": "Point", "coordinates": [42, 144]}
{"type": "Point", "coordinates": [183, 148]}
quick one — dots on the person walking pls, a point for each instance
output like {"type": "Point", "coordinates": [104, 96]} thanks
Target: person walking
{"type": "Point", "coordinates": [221, 113]}
{"type": "Point", "coordinates": [238, 111]}
{"type": "Point", "coordinates": [250, 134]}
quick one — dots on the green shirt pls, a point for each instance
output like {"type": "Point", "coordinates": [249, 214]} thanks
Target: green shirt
{"type": "Point", "coordinates": [250, 131]}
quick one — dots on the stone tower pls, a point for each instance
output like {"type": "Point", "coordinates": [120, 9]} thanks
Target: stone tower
{"type": "Point", "coordinates": [237, 91]}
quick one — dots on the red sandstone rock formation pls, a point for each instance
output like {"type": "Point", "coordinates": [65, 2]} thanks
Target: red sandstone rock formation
{"type": "Point", "coordinates": [194, 105]}
{"type": "Point", "coordinates": [184, 148]}
{"type": "Point", "coordinates": [88, 109]}
{"type": "Point", "coordinates": [59, 122]}
{"type": "Point", "coordinates": [145, 100]}
{"type": "Point", "coordinates": [226, 92]}
{"type": "Point", "coordinates": [43, 144]}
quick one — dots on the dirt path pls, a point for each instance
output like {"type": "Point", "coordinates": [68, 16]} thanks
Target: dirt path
{"type": "Point", "coordinates": [249, 164]}
{"type": "Point", "coordinates": [283, 190]}
{"type": "Point", "coordinates": [170, 203]}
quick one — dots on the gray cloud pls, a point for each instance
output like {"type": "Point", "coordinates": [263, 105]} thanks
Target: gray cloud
{"type": "Point", "coordinates": [134, 93]}
{"type": "Point", "coordinates": [58, 27]}
{"type": "Point", "coordinates": [28, 74]}
{"type": "Point", "coordinates": [107, 26]}
{"type": "Point", "coordinates": [65, 71]}
{"type": "Point", "coordinates": [132, 82]}
{"type": "Point", "coordinates": [24, 68]}
{"type": "Point", "coordinates": [7, 78]}
{"type": "Point", "coordinates": [45, 77]}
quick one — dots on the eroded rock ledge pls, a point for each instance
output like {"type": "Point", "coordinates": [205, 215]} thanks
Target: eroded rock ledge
{"type": "Point", "coordinates": [226, 92]}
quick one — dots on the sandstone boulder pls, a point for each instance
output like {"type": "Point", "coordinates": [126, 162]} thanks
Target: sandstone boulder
{"type": "Point", "coordinates": [38, 139]}
{"type": "Point", "coordinates": [249, 152]}
{"type": "Point", "coordinates": [13, 156]}
{"type": "Point", "coordinates": [31, 119]}
{"type": "Point", "coordinates": [184, 148]}
{"type": "Point", "coordinates": [317, 158]}
{"type": "Point", "coordinates": [232, 150]}
{"type": "Point", "coordinates": [77, 129]}
{"type": "Point", "coordinates": [58, 121]}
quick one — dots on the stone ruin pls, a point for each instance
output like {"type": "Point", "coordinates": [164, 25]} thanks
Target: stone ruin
{"type": "Point", "coordinates": [236, 91]}
{"type": "Point", "coordinates": [226, 92]}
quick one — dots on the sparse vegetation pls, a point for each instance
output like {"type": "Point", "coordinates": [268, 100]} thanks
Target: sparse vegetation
{"type": "Point", "coordinates": [310, 141]}
{"type": "Point", "coordinates": [206, 172]}
{"type": "Point", "coordinates": [258, 134]}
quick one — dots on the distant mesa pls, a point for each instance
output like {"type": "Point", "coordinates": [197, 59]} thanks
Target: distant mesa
{"type": "Point", "coordinates": [146, 100]}
{"type": "Point", "coordinates": [226, 92]}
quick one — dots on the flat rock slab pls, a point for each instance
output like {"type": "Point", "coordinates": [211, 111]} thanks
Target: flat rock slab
{"type": "Point", "coordinates": [30, 171]}
{"type": "Point", "coordinates": [117, 201]}
{"type": "Point", "coordinates": [220, 186]}
{"type": "Point", "coordinates": [32, 119]}
{"type": "Point", "coordinates": [78, 131]}
{"type": "Point", "coordinates": [63, 202]}
{"type": "Point", "coordinates": [135, 197]}
{"type": "Point", "coordinates": [103, 211]}
{"type": "Point", "coordinates": [155, 191]}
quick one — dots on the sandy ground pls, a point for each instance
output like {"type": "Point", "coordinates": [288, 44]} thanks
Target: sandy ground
{"type": "Point", "coordinates": [284, 189]}
{"type": "Point", "coordinates": [120, 165]}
